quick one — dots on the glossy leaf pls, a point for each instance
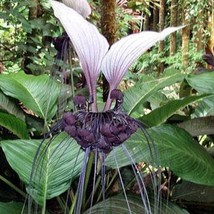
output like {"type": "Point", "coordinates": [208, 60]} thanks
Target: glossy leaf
{"type": "Point", "coordinates": [139, 93]}
{"type": "Point", "coordinates": [161, 114]}
{"type": "Point", "coordinates": [118, 204]}
{"type": "Point", "coordinates": [203, 83]}
{"type": "Point", "coordinates": [174, 148]}
{"type": "Point", "coordinates": [12, 208]}
{"type": "Point", "coordinates": [37, 93]}
{"type": "Point", "coordinates": [205, 107]}
{"type": "Point", "coordinates": [7, 104]}
{"type": "Point", "coordinates": [199, 126]}
{"type": "Point", "coordinates": [55, 166]}
{"type": "Point", "coordinates": [13, 124]}
{"type": "Point", "coordinates": [195, 193]}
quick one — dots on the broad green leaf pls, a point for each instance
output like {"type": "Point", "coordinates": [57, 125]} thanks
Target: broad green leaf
{"type": "Point", "coordinates": [53, 169]}
{"type": "Point", "coordinates": [10, 106]}
{"type": "Point", "coordinates": [195, 193]}
{"type": "Point", "coordinates": [38, 93]}
{"type": "Point", "coordinates": [199, 126]}
{"type": "Point", "coordinates": [118, 204]}
{"type": "Point", "coordinates": [205, 107]}
{"type": "Point", "coordinates": [139, 93]}
{"type": "Point", "coordinates": [12, 208]}
{"type": "Point", "coordinates": [161, 114]}
{"type": "Point", "coordinates": [13, 124]}
{"type": "Point", "coordinates": [174, 148]}
{"type": "Point", "coordinates": [203, 83]}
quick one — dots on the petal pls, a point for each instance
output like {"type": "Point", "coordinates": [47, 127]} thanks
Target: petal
{"type": "Point", "coordinates": [126, 51]}
{"type": "Point", "coordinates": [89, 44]}
{"type": "Point", "coordinates": [80, 6]}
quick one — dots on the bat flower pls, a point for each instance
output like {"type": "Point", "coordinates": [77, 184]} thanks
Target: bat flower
{"type": "Point", "coordinates": [109, 128]}
{"type": "Point", "coordinates": [98, 132]}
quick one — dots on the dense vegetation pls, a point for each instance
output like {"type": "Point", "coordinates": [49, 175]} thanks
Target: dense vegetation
{"type": "Point", "coordinates": [170, 89]}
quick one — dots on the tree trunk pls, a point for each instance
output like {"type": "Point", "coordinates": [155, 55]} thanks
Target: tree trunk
{"type": "Point", "coordinates": [211, 24]}
{"type": "Point", "coordinates": [34, 12]}
{"type": "Point", "coordinates": [155, 18]}
{"type": "Point", "coordinates": [146, 19]}
{"type": "Point", "coordinates": [161, 27]}
{"type": "Point", "coordinates": [146, 22]}
{"type": "Point", "coordinates": [185, 46]}
{"type": "Point", "coordinates": [108, 29]}
{"type": "Point", "coordinates": [108, 20]}
{"type": "Point", "coordinates": [173, 22]}
{"type": "Point", "coordinates": [185, 36]}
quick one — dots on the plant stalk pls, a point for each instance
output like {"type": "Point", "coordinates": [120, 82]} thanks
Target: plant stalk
{"type": "Point", "coordinates": [12, 186]}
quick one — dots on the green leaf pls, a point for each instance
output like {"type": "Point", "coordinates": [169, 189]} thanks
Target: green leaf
{"type": "Point", "coordinates": [198, 126]}
{"type": "Point", "coordinates": [139, 93]}
{"type": "Point", "coordinates": [118, 204]}
{"type": "Point", "coordinates": [55, 167]}
{"type": "Point", "coordinates": [203, 83]}
{"type": "Point", "coordinates": [175, 149]}
{"type": "Point", "coordinates": [161, 114]}
{"type": "Point", "coordinates": [38, 93]}
{"type": "Point", "coordinates": [13, 124]}
{"type": "Point", "coordinates": [12, 208]}
{"type": "Point", "coordinates": [10, 106]}
{"type": "Point", "coordinates": [194, 193]}
{"type": "Point", "coordinates": [205, 107]}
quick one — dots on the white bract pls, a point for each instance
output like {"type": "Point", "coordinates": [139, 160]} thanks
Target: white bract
{"type": "Point", "coordinates": [81, 6]}
{"type": "Point", "coordinates": [94, 53]}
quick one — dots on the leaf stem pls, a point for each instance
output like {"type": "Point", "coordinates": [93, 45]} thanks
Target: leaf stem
{"type": "Point", "coordinates": [13, 186]}
{"type": "Point", "coordinates": [72, 73]}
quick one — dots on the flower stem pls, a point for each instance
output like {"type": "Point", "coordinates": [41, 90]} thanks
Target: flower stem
{"type": "Point", "coordinates": [87, 176]}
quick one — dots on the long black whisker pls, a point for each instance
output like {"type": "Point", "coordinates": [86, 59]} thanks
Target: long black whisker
{"type": "Point", "coordinates": [155, 161]}
{"type": "Point", "coordinates": [103, 156]}
{"type": "Point", "coordinates": [67, 196]}
{"type": "Point", "coordinates": [41, 160]}
{"type": "Point", "coordinates": [138, 176]}
{"type": "Point", "coordinates": [94, 178]}
{"type": "Point", "coordinates": [35, 160]}
{"type": "Point", "coordinates": [81, 181]}
{"type": "Point", "coordinates": [122, 184]}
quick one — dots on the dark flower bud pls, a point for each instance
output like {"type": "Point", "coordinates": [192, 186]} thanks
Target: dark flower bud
{"type": "Point", "coordinates": [103, 145]}
{"type": "Point", "coordinates": [105, 130]}
{"type": "Point", "coordinates": [133, 126]}
{"type": "Point", "coordinates": [116, 94]}
{"type": "Point", "coordinates": [114, 130]}
{"type": "Point", "coordinates": [123, 137]}
{"type": "Point", "coordinates": [79, 100]}
{"type": "Point", "coordinates": [83, 144]}
{"type": "Point", "coordinates": [71, 130]}
{"type": "Point", "coordinates": [82, 133]}
{"type": "Point", "coordinates": [90, 138]}
{"type": "Point", "coordinates": [69, 118]}
{"type": "Point", "coordinates": [113, 140]}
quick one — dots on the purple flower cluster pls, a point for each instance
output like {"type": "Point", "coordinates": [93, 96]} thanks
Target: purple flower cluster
{"type": "Point", "coordinates": [99, 130]}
